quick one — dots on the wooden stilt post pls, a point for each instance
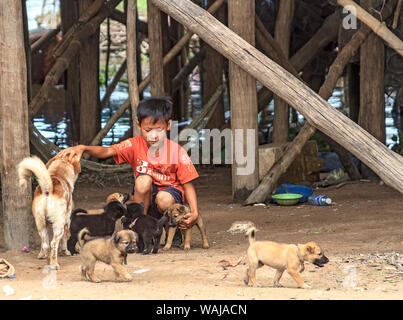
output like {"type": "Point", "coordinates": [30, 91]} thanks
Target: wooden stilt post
{"type": "Point", "coordinates": [282, 35]}
{"type": "Point", "coordinates": [243, 100]}
{"type": "Point", "coordinates": [132, 61]}
{"type": "Point", "coordinates": [69, 15]}
{"type": "Point", "coordinates": [213, 68]}
{"type": "Point", "coordinates": [27, 49]}
{"type": "Point", "coordinates": [372, 97]}
{"type": "Point", "coordinates": [156, 53]}
{"type": "Point", "coordinates": [90, 114]}
{"type": "Point", "coordinates": [14, 138]}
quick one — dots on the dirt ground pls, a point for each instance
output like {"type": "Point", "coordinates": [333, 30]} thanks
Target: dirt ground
{"type": "Point", "coordinates": [361, 234]}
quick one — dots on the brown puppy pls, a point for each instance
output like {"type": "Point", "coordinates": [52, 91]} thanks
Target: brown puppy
{"type": "Point", "coordinates": [52, 200]}
{"type": "Point", "coordinates": [110, 250]}
{"type": "Point", "coordinates": [282, 257]}
{"type": "Point", "coordinates": [176, 215]}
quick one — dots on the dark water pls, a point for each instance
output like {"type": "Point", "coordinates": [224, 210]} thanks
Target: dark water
{"type": "Point", "coordinates": [55, 127]}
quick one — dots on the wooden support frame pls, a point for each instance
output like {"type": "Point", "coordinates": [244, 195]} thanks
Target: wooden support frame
{"type": "Point", "coordinates": [176, 49]}
{"type": "Point", "coordinates": [294, 148]}
{"type": "Point", "coordinates": [386, 163]}
{"type": "Point", "coordinates": [62, 63]}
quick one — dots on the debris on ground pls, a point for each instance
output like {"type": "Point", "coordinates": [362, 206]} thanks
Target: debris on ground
{"type": "Point", "coordinates": [240, 227]}
{"type": "Point", "coordinates": [225, 264]}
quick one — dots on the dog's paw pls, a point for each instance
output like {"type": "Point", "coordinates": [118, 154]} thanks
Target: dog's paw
{"type": "Point", "coordinates": [277, 285]}
{"type": "Point", "coordinates": [306, 286]}
{"type": "Point", "coordinates": [206, 246]}
{"type": "Point", "coordinates": [186, 248]}
{"type": "Point", "coordinates": [128, 278]}
{"type": "Point", "coordinates": [166, 248]}
{"type": "Point", "coordinates": [55, 266]}
{"type": "Point", "coordinates": [42, 255]}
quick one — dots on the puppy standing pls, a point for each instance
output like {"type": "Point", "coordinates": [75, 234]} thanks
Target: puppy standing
{"type": "Point", "coordinates": [52, 201]}
{"type": "Point", "coordinates": [176, 214]}
{"type": "Point", "coordinates": [282, 257]}
{"type": "Point", "coordinates": [110, 250]}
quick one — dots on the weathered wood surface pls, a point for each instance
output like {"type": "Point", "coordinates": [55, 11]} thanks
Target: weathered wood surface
{"type": "Point", "coordinates": [377, 26]}
{"type": "Point", "coordinates": [14, 140]}
{"type": "Point", "coordinates": [69, 16]}
{"type": "Point", "coordinates": [282, 35]}
{"type": "Point", "coordinates": [131, 52]}
{"type": "Point", "coordinates": [386, 163]}
{"type": "Point", "coordinates": [326, 34]}
{"type": "Point", "coordinates": [90, 113]}
{"type": "Point", "coordinates": [156, 51]}
{"type": "Point", "coordinates": [243, 99]}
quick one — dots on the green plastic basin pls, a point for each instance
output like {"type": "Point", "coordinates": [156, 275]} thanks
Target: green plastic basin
{"type": "Point", "coordinates": [287, 199]}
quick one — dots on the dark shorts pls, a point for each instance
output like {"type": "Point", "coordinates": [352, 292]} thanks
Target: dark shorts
{"type": "Point", "coordinates": [175, 193]}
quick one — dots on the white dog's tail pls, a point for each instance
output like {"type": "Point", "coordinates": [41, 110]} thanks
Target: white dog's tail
{"type": "Point", "coordinates": [34, 165]}
{"type": "Point", "coordinates": [250, 233]}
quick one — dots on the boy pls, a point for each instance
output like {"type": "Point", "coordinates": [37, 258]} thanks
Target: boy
{"type": "Point", "coordinates": [163, 170]}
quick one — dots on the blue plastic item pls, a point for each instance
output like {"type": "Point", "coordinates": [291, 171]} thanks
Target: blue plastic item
{"type": "Point", "coordinates": [295, 188]}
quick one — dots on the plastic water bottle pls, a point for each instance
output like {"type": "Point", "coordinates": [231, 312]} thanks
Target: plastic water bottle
{"type": "Point", "coordinates": [319, 200]}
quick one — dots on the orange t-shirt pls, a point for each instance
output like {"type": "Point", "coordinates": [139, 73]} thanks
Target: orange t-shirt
{"type": "Point", "coordinates": [171, 168]}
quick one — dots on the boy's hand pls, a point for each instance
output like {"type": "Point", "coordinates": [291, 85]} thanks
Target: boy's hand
{"type": "Point", "coordinates": [189, 220]}
{"type": "Point", "coordinates": [69, 153]}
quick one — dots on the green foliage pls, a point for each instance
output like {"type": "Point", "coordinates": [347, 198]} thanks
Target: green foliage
{"type": "Point", "coordinates": [398, 145]}
{"type": "Point", "coordinates": [322, 146]}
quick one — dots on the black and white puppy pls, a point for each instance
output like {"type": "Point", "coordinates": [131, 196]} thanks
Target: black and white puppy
{"type": "Point", "coordinates": [102, 224]}
{"type": "Point", "coordinates": [148, 228]}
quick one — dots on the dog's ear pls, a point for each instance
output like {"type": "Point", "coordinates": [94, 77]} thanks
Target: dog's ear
{"type": "Point", "coordinates": [310, 249]}
{"type": "Point", "coordinates": [168, 212]}
{"type": "Point", "coordinates": [126, 197]}
{"type": "Point", "coordinates": [50, 161]}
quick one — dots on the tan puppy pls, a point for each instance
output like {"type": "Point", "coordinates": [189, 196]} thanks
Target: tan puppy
{"type": "Point", "coordinates": [176, 214]}
{"type": "Point", "coordinates": [282, 257]}
{"type": "Point", "coordinates": [110, 250]}
{"type": "Point", "coordinates": [52, 201]}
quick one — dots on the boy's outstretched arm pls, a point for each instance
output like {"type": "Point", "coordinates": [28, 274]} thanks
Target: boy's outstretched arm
{"type": "Point", "coordinates": [191, 197]}
{"type": "Point", "coordinates": [94, 151]}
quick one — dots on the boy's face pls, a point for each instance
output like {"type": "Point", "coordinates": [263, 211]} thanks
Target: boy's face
{"type": "Point", "coordinates": [154, 133]}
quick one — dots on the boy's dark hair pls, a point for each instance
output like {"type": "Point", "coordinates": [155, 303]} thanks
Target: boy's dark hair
{"type": "Point", "coordinates": [158, 108]}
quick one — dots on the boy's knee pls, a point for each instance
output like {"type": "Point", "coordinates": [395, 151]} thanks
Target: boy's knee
{"type": "Point", "coordinates": [164, 200]}
{"type": "Point", "coordinates": [143, 184]}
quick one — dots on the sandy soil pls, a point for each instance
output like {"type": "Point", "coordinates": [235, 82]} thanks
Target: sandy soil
{"type": "Point", "coordinates": [361, 230]}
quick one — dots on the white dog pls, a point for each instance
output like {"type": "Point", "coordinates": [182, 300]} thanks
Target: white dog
{"type": "Point", "coordinates": [52, 201]}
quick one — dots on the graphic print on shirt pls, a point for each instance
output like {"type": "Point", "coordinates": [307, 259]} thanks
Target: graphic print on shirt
{"type": "Point", "coordinates": [159, 173]}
